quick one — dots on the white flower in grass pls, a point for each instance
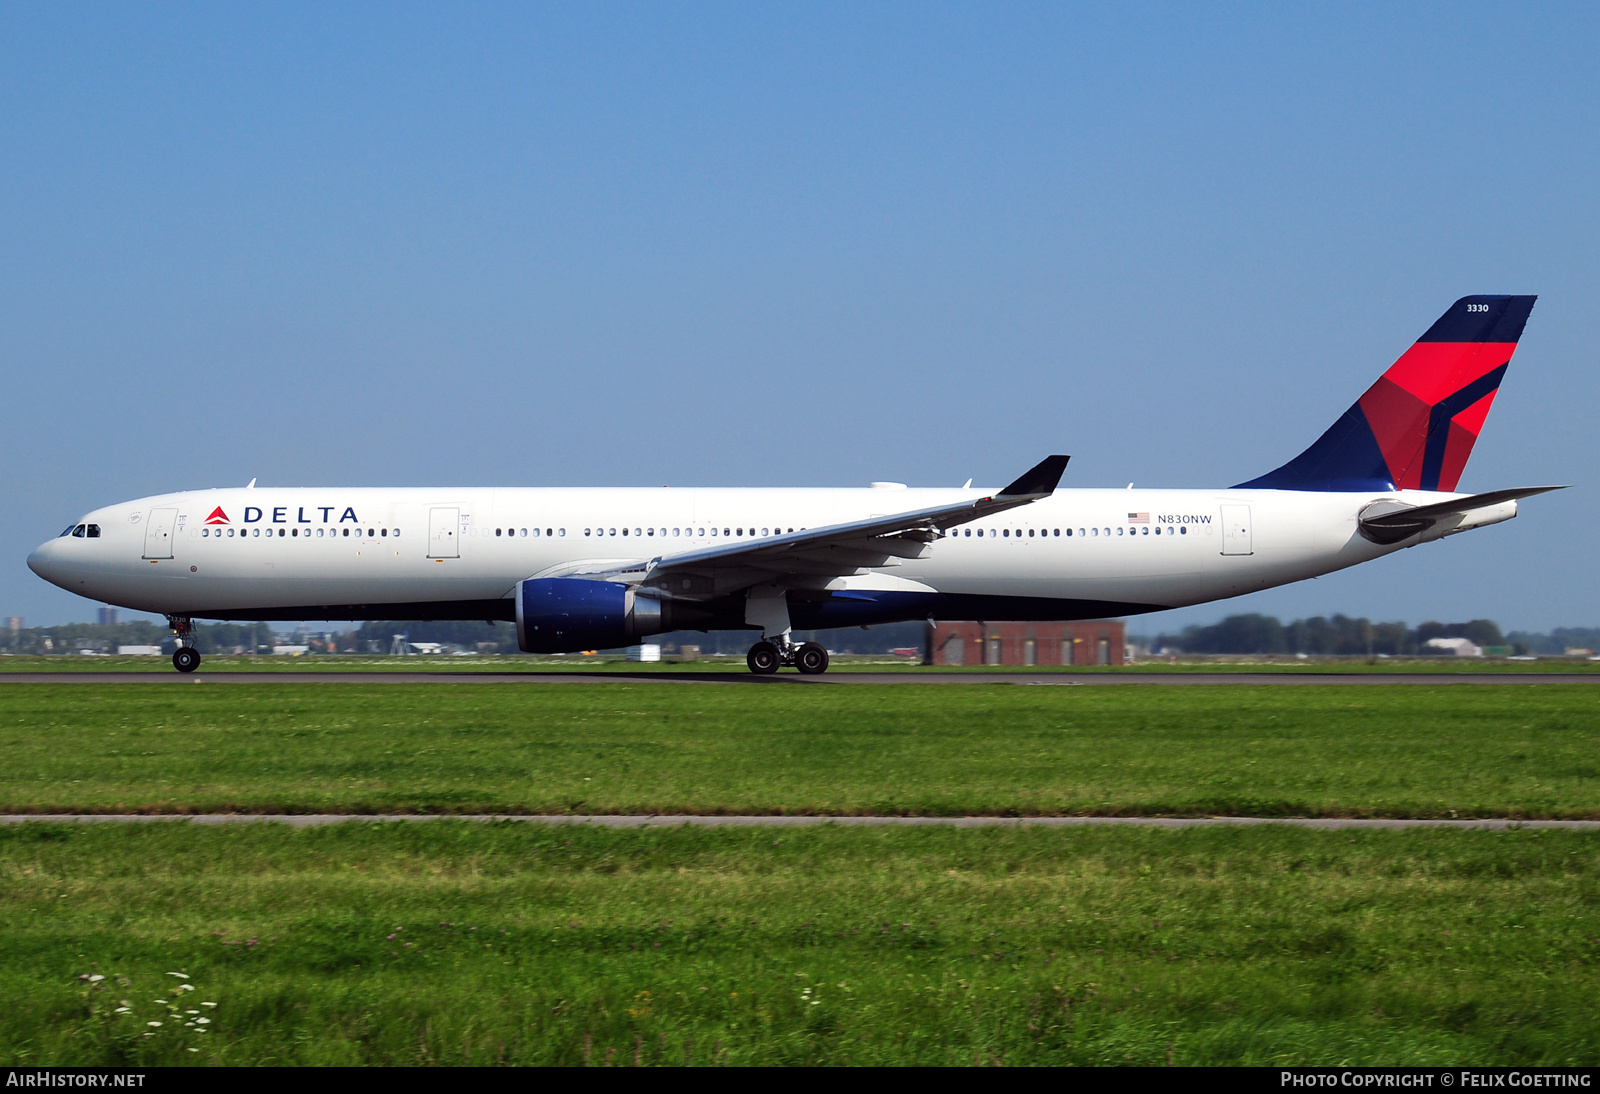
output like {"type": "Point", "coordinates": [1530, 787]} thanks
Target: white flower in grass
{"type": "Point", "coordinates": [163, 1002]}
{"type": "Point", "coordinates": [191, 1012]}
{"type": "Point", "coordinates": [95, 978]}
{"type": "Point", "coordinates": [202, 1021]}
{"type": "Point", "coordinates": [208, 1004]}
{"type": "Point", "coordinates": [152, 1023]}
{"type": "Point", "coordinates": [179, 975]}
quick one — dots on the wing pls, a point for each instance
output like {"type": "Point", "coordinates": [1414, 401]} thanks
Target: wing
{"type": "Point", "coordinates": [815, 556]}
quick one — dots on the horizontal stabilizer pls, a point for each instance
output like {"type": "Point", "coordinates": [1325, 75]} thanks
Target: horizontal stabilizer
{"type": "Point", "coordinates": [1392, 521]}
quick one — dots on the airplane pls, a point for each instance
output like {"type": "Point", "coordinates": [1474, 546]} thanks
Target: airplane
{"type": "Point", "coordinates": [584, 569]}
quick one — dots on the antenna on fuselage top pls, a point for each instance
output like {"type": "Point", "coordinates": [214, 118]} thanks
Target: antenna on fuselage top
{"type": "Point", "coordinates": [251, 485]}
{"type": "Point", "coordinates": [967, 485]}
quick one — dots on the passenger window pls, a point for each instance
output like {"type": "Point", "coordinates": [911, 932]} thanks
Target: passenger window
{"type": "Point", "coordinates": [561, 532]}
{"type": "Point", "coordinates": [635, 531]}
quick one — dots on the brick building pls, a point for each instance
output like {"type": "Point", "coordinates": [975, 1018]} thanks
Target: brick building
{"type": "Point", "coordinates": [1088, 642]}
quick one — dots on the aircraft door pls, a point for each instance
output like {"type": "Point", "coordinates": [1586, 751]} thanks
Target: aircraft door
{"type": "Point", "coordinates": [1236, 530]}
{"type": "Point", "coordinates": [443, 534]}
{"type": "Point", "coordinates": [158, 533]}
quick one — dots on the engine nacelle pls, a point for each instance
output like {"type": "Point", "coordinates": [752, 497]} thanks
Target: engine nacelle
{"type": "Point", "coordinates": [567, 614]}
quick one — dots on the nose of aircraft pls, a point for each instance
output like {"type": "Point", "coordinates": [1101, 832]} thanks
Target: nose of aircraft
{"type": "Point", "coordinates": [42, 561]}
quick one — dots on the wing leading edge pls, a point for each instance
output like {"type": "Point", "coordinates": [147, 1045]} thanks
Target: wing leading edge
{"type": "Point", "coordinates": [816, 555]}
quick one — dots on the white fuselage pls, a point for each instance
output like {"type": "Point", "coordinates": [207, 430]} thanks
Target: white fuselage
{"type": "Point", "coordinates": [333, 553]}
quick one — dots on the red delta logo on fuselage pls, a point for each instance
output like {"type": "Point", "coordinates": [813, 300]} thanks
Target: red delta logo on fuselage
{"type": "Point", "coordinates": [218, 517]}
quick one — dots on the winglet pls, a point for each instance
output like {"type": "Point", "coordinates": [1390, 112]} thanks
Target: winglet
{"type": "Point", "coordinates": [1039, 481]}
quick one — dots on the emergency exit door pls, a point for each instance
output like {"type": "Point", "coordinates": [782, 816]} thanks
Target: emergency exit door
{"type": "Point", "coordinates": [158, 533]}
{"type": "Point", "coordinates": [443, 535]}
{"type": "Point", "coordinates": [1236, 530]}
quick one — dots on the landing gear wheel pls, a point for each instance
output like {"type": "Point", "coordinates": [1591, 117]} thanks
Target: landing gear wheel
{"type": "Point", "coordinates": [186, 659]}
{"type": "Point", "coordinates": [763, 658]}
{"type": "Point", "coordinates": [811, 659]}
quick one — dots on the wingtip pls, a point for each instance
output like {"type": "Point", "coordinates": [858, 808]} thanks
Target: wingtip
{"type": "Point", "coordinates": [1038, 481]}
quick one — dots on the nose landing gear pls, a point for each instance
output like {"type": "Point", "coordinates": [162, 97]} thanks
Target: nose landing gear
{"type": "Point", "coordinates": [185, 658]}
{"type": "Point", "coordinates": [767, 656]}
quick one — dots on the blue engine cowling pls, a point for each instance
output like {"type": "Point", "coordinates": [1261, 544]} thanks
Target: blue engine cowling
{"type": "Point", "coordinates": [567, 614]}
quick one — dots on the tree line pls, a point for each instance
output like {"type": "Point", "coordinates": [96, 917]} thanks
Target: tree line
{"type": "Point", "coordinates": [1342, 635]}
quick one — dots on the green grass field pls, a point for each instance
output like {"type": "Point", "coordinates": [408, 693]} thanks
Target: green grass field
{"type": "Point", "coordinates": [538, 944]}
{"type": "Point", "coordinates": [456, 942]}
{"type": "Point", "coordinates": [1525, 751]}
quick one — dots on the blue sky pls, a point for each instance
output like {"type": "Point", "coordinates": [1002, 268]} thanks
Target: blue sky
{"type": "Point", "coordinates": [790, 245]}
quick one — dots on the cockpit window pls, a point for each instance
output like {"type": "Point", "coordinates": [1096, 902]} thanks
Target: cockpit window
{"type": "Point", "coordinates": [67, 531]}
{"type": "Point", "coordinates": [78, 531]}
{"type": "Point", "coordinates": [94, 531]}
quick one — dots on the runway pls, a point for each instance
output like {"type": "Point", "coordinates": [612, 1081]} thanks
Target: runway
{"type": "Point", "coordinates": [317, 820]}
{"type": "Point", "coordinates": [1056, 679]}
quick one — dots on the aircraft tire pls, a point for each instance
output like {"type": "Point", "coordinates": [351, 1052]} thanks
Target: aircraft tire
{"type": "Point", "coordinates": [186, 659]}
{"type": "Point", "coordinates": [763, 658]}
{"type": "Point", "coordinates": [811, 659]}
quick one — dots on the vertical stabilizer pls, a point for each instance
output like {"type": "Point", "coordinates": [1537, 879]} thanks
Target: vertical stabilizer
{"type": "Point", "coordinates": [1415, 427]}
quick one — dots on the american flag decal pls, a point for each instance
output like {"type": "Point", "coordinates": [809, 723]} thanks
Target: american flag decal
{"type": "Point", "coordinates": [1138, 518]}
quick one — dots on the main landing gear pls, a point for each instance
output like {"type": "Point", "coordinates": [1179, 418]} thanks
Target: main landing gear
{"type": "Point", "coordinates": [767, 656]}
{"type": "Point", "coordinates": [185, 658]}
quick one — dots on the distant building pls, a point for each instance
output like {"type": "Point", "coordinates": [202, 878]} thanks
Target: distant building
{"type": "Point", "coordinates": [1093, 642]}
{"type": "Point", "coordinates": [1459, 647]}
{"type": "Point", "coordinates": [139, 651]}
{"type": "Point", "coordinates": [14, 623]}
{"type": "Point", "coordinates": [108, 616]}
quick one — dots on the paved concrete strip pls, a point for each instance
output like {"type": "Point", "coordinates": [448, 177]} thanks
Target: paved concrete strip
{"type": "Point", "coordinates": [1170, 679]}
{"type": "Point", "coordinates": [315, 820]}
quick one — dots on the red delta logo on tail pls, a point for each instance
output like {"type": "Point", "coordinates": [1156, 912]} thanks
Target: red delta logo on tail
{"type": "Point", "coordinates": [1415, 427]}
{"type": "Point", "coordinates": [218, 517]}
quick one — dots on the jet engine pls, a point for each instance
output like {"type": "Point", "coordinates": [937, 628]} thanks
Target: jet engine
{"type": "Point", "coordinates": [566, 614]}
